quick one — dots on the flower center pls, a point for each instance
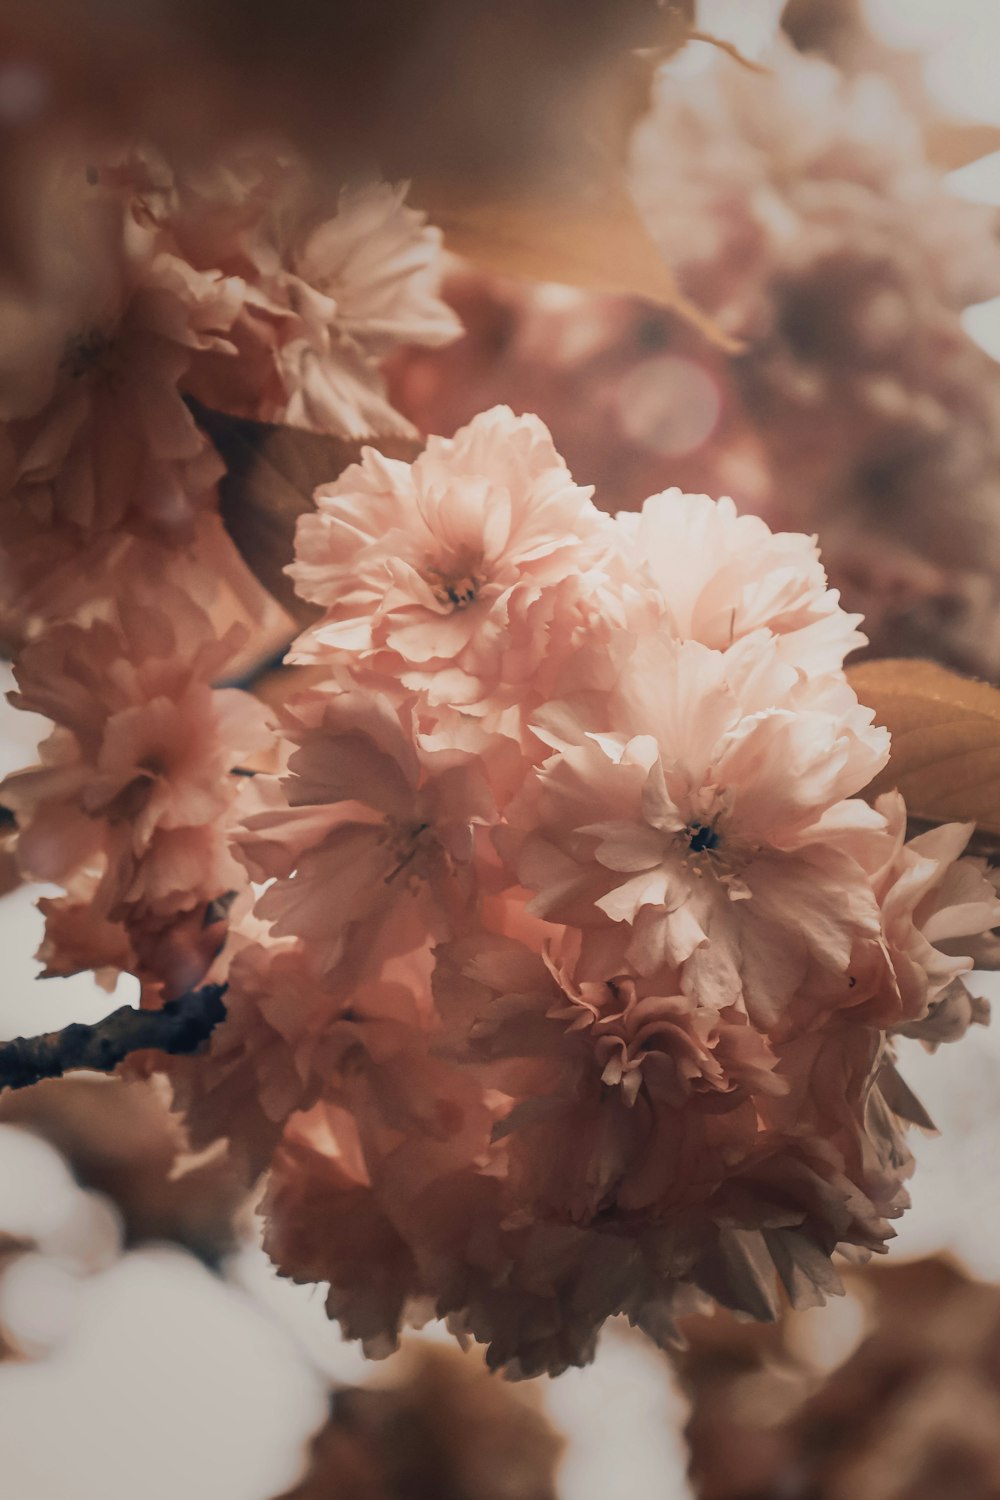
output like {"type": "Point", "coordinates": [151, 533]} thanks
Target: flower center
{"type": "Point", "coordinates": [403, 843]}
{"type": "Point", "coordinates": [456, 589]}
{"type": "Point", "coordinates": [702, 838]}
{"type": "Point", "coordinates": [130, 800]}
{"type": "Point", "coordinates": [90, 353]}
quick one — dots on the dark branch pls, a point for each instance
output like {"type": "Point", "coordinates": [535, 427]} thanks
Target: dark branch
{"type": "Point", "coordinates": [181, 1026]}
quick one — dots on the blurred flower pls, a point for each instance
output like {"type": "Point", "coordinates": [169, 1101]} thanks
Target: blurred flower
{"type": "Point", "coordinates": [98, 425]}
{"type": "Point", "coordinates": [438, 1423]}
{"type": "Point", "coordinates": [324, 302]}
{"type": "Point", "coordinates": [911, 1412]}
{"type": "Point", "coordinates": [800, 210]}
{"type": "Point", "coordinates": [128, 806]}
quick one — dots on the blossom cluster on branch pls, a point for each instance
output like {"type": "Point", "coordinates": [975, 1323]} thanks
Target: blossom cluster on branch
{"type": "Point", "coordinates": [563, 958]}
{"type": "Point", "coordinates": [572, 985]}
{"type": "Point", "coordinates": [231, 283]}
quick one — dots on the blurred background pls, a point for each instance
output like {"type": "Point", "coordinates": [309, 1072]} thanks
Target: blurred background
{"type": "Point", "coordinates": [833, 211]}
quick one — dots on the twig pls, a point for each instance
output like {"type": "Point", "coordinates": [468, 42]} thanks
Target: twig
{"type": "Point", "coordinates": [730, 49]}
{"type": "Point", "coordinates": [181, 1026]}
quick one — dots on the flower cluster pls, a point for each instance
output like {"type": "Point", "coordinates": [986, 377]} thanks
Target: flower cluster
{"type": "Point", "coordinates": [562, 956]}
{"type": "Point", "coordinates": [572, 985]}
{"type": "Point", "coordinates": [158, 287]}
{"type": "Point", "coordinates": [806, 216]}
{"type": "Point", "coordinates": [749, 186]}
{"type": "Point", "coordinates": [800, 210]}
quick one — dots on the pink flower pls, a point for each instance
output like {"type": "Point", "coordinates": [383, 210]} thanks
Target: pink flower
{"type": "Point", "coordinates": [325, 1223]}
{"type": "Point", "coordinates": [107, 432]}
{"type": "Point", "coordinates": [325, 303]}
{"type": "Point", "coordinates": [571, 987]}
{"type": "Point", "coordinates": [734, 180]}
{"type": "Point", "coordinates": [265, 1061]}
{"type": "Point", "coordinates": [934, 905]}
{"type": "Point", "coordinates": [380, 262]}
{"type": "Point", "coordinates": [422, 567]}
{"type": "Point", "coordinates": [698, 816]}
{"type": "Point", "coordinates": [595, 1071]}
{"type": "Point", "coordinates": [723, 576]}
{"type": "Point", "coordinates": [78, 937]}
{"type": "Point", "coordinates": [135, 785]}
{"type": "Point", "coordinates": [365, 829]}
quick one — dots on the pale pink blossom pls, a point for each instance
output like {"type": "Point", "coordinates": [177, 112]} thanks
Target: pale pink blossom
{"type": "Point", "coordinates": [698, 817]}
{"type": "Point", "coordinates": [571, 987]}
{"type": "Point", "coordinates": [106, 433]}
{"type": "Point", "coordinates": [605, 942]}
{"type": "Point", "coordinates": [325, 1224]}
{"type": "Point", "coordinates": [325, 302]}
{"type": "Point", "coordinates": [723, 576]}
{"type": "Point", "coordinates": [264, 1062]}
{"type": "Point", "coordinates": [734, 177]}
{"type": "Point", "coordinates": [135, 784]}
{"type": "Point", "coordinates": [79, 937]}
{"type": "Point", "coordinates": [423, 568]}
{"type": "Point", "coordinates": [594, 1071]}
{"type": "Point", "coordinates": [366, 830]}
{"type": "Point", "coordinates": [581, 1204]}
{"type": "Point", "coordinates": [932, 900]}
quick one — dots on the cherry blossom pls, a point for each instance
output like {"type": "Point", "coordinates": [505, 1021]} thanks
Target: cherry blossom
{"type": "Point", "coordinates": [130, 804]}
{"type": "Point", "coordinates": [423, 568]}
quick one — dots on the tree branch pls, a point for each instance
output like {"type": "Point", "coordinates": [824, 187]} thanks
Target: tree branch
{"type": "Point", "coordinates": [181, 1026]}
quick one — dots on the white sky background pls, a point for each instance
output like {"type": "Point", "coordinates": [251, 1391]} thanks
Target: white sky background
{"type": "Point", "coordinates": [162, 1382]}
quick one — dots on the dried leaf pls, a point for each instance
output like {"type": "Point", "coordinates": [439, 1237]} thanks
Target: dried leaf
{"type": "Point", "coordinates": [945, 739]}
{"type": "Point", "coordinates": [729, 48]}
{"type": "Point", "coordinates": [577, 224]}
{"type": "Point", "coordinates": [957, 143]}
{"type": "Point", "coordinates": [594, 238]}
{"type": "Point", "coordinates": [272, 472]}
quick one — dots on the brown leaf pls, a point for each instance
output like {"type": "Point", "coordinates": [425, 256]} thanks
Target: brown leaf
{"type": "Point", "coordinates": [576, 224]}
{"type": "Point", "coordinates": [956, 143]}
{"type": "Point", "coordinates": [272, 472]}
{"type": "Point", "coordinates": [729, 48]}
{"type": "Point", "coordinates": [593, 238]}
{"type": "Point", "coordinates": [945, 739]}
